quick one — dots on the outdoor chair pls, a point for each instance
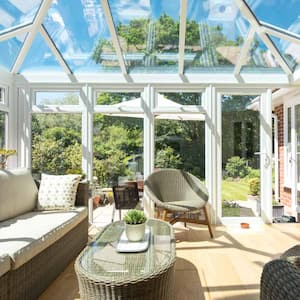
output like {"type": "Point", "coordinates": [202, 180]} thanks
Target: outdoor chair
{"type": "Point", "coordinates": [280, 278]}
{"type": "Point", "coordinates": [126, 196]}
{"type": "Point", "coordinates": [178, 196]}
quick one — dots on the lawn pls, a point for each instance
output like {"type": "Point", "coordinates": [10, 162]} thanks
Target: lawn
{"type": "Point", "coordinates": [235, 190]}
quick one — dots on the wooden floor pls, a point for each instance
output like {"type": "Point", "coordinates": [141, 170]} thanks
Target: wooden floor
{"type": "Point", "coordinates": [226, 267]}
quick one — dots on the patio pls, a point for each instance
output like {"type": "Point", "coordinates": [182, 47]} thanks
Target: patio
{"type": "Point", "coordinates": [227, 267]}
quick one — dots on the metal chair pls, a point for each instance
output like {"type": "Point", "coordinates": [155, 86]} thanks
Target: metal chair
{"type": "Point", "coordinates": [178, 197]}
{"type": "Point", "coordinates": [126, 196]}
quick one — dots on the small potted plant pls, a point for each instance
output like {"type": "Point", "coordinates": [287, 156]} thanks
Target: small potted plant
{"type": "Point", "coordinates": [135, 225]}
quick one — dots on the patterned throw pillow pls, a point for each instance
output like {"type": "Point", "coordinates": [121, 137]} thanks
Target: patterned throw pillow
{"type": "Point", "coordinates": [57, 191]}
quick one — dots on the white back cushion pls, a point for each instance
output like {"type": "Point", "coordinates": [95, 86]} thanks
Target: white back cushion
{"type": "Point", "coordinates": [18, 193]}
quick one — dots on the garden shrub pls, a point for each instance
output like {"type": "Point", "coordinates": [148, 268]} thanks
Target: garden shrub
{"type": "Point", "coordinates": [253, 173]}
{"type": "Point", "coordinates": [254, 186]}
{"type": "Point", "coordinates": [237, 167]}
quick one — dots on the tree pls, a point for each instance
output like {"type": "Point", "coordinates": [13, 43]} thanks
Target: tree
{"type": "Point", "coordinates": [56, 143]}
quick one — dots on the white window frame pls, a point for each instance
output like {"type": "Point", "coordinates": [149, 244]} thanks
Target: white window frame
{"type": "Point", "coordinates": [80, 108]}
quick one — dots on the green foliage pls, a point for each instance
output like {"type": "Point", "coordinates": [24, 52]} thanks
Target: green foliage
{"type": "Point", "coordinates": [166, 158]}
{"type": "Point", "coordinates": [134, 216]}
{"type": "Point", "coordinates": [101, 45]}
{"type": "Point", "coordinates": [254, 186]}
{"type": "Point", "coordinates": [167, 30]}
{"type": "Point", "coordinates": [56, 144]}
{"type": "Point", "coordinates": [237, 167]}
{"type": "Point", "coordinates": [253, 173]}
{"type": "Point", "coordinates": [135, 33]}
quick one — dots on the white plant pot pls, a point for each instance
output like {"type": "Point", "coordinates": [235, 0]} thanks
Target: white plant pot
{"type": "Point", "coordinates": [135, 232]}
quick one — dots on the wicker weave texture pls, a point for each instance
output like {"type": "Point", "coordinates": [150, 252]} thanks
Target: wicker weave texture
{"type": "Point", "coordinates": [168, 186]}
{"type": "Point", "coordinates": [32, 278]}
{"type": "Point", "coordinates": [154, 288]}
{"type": "Point", "coordinates": [4, 286]}
{"type": "Point", "coordinates": [143, 275]}
{"type": "Point", "coordinates": [280, 280]}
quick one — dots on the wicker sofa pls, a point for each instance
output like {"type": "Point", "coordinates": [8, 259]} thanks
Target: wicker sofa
{"type": "Point", "coordinates": [36, 246]}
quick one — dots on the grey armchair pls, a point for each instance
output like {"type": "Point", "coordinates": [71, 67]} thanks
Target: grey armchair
{"type": "Point", "coordinates": [280, 278]}
{"type": "Point", "coordinates": [178, 197]}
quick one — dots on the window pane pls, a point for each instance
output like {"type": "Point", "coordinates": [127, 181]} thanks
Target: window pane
{"type": "Point", "coordinates": [281, 13]}
{"type": "Point", "coordinates": [56, 143]}
{"type": "Point", "coordinates": [148, 33]}
{"type": "Point", "coordinates": [15, 13]}
{"type": "Point", "coordinates": [2, 129]}
{"type": "Point", "coordinates": [57, 98]}
{"type": "Point", "coordinates": [180, 145]}
{"type": "Point", "coordinates": [184, 98]}
{"type": "Point", "coordinates": [118, 149]}
{"type": "Point", "coordinates": [215, 32]}
{"type": "Point", "coordinates": [40, 58]}
{"type": "Point", "coordinates": [9, 50]}
{"type": "Point", "coordinates": [82, 35]}
{"type": "Point", "coordinates": [105, 98]}
{"type": "Point", "coordinates": [240, 161]}
{"type": "Point", "coordinates": [2, 91]}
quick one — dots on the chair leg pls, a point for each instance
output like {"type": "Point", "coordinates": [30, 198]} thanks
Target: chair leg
{"type": "Point", "coordinates": [184, 215]}
{"type": "Point", "coordinates": [120, 214]}
{"type": "Point", "coordinates": [208, 222]}
{"type": "Point", "coordinates": [113, 213]}
{"type": "Point", "coordinates": [164, 216]}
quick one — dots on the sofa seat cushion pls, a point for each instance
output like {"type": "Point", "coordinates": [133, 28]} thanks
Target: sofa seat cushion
{"type": "Point", "coordinates": [25, 236]}
{"type": "Point", "coordinates": [4, 264]}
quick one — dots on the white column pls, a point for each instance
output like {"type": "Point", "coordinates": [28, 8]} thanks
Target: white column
{"type": "Point", "coordinates": [87, 131]}
{"type": "Point", "coordinates": [212, 165]}
{"type": "Point", "coordinates": [87, 103]}
{"type": "Point", "coordinates": [24, 127]}
{"type": "Point", "coordinates": [266, 156]}
{"type": "Point", "coordinates": [148, 105]}
{"type": "Point", "coordinates": [12, 130]}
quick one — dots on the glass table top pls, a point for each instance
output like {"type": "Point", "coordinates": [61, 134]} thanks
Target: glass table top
{"type": "Point", "coordinates": [101, 261]}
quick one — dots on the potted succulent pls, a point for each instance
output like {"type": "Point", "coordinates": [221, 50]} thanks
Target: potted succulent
{"type": "Point", "coordinates": [135, 225]}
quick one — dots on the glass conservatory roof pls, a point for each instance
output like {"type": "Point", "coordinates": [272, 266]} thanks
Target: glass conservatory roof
{"type": "Point", "coordinates": [150, 36]}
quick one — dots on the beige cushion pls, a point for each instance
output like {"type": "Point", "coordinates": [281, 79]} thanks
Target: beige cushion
{"type": "Point", "coordinates": [57, 191]}
{"type": "Point", "coordinates": [26, 236]}
{"type": "Point", "coordinates": [18, 193]}
{"type": "Point", "coordinates": [4, 264]}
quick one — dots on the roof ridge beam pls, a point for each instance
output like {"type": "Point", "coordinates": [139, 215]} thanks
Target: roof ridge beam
{"type": "Point", "coordinates": [244, 52]}
{"type": "Point", "coordinates": [12, 32]}
{"type": "Point", "coordinates": [182, 32]}
{"type": "Point", "coordinates": [40, 15]}
{"type": "Point", "coordinates": [247, 12]}
{"type": "Point", "coordinates": [54, 50]}
{"type": "Point", "coordinates": [114, 36]}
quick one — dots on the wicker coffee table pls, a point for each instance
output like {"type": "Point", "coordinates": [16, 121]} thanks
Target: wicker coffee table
{"type": "Point", "coordinates": [104, 273]}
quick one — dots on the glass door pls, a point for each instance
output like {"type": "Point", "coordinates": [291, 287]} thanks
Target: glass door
{"type": "Point", "coordinates": [240, 157]}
